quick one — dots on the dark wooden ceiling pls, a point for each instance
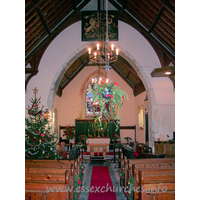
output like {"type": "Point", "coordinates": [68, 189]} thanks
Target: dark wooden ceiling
{"type": "Point", "coordinates": [45, 19]}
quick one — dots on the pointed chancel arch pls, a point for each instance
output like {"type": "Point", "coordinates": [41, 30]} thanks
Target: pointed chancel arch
{"type": "Point", "coordinates": [78, 55]}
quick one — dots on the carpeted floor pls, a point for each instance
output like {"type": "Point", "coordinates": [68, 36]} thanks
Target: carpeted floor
{"type": "Point", "coordinates": [113, 173]}
{"type": "Point", "coordinates": [101, 184]}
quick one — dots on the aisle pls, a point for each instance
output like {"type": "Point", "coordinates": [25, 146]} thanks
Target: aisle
{"type": "Point", "coordinates": [101, 184]}
{"type": "Point", "coordinates": [114, 175]}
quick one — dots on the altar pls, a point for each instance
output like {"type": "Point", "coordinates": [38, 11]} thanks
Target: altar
{"type": "Point", "coordinates": [97, 141]}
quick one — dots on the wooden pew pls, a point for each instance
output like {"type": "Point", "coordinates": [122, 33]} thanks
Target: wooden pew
{"type": "Point", "coordinates": [55, 163]}
{"type": "Point", "coordinates": [38, 189]}
{"type": "Point", "coordinates": [48, 173]}
{"type": "Point", "coordinates": [151, 172]}
{"type": "Point", "coordinates": [130, 162]}
{"type": "Point", "coordinates": [156, 186]}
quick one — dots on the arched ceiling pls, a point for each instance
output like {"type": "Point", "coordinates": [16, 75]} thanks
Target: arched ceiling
{"type": "Point", "coordinates": [45, 19]}
{"type": "Point", "coordinates": [121, 67]}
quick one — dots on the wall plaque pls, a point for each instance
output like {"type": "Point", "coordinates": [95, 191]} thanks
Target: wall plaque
{"type": "Point", "coordinates": [94, 25]}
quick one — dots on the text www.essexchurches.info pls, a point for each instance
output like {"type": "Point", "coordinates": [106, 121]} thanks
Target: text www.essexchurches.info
{"type": "Point", "coordinates": [103, 189]}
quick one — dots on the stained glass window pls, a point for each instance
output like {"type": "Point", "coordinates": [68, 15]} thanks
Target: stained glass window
{"type": "Point", "coordinates": [91, 110]}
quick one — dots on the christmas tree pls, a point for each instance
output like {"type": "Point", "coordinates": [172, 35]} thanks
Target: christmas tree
{"type": "Point", "coordinates": [40, 143]}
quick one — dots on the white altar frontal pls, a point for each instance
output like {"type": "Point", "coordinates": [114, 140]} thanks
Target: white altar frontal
{"type": "Point", "coordinates": [93, 141]}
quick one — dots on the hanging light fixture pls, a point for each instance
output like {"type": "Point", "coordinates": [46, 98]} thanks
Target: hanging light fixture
{"type": "Point", "coordinates": [105, 93]}
{"type": "Point", "coordinates": [98, 55]}
{"type": "Point", "coordinates": [104, 52]}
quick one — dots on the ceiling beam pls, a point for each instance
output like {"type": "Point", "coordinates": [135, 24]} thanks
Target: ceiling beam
{"type": "Point", "coordinates": [59, 91]}
{"type": "Point", "coordinates": [139, 88]}
{"type": "Point", "coordinates": [42, 19]}
{"type": "Point", "coordinates": [160, 72]}
{"type": "Point", "coordinates": [32, 6]}
{"type": "Point", "coordinates": [128, 75]}
{"type": "Point", "coordinates": [67, 21]}
{"type": "Point", "coordinates": [74, 4]}
{"type": "Point", "coordinates": [168, 6]}
{"type": "Point", "coordinates": [31, 70]}
{"type": "Point", "coordinates": [122, 76]}
{"type": "Point", "coordinates": [72, 76]}
{"type": "Point", "coordinates": [138, 26]}
{"type": "Point", "coordinates": [124, 4]}
{"type": "Point", "coordinates": [156, 18]}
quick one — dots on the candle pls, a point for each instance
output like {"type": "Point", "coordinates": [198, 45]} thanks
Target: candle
{"type": "Point", "coordinates": [95, 54]}
{"type": "Point", "coordinates": [89, 50]}
{"type": "Point", "coordinates": [97, 46]}
{"type": "Point", "coordinates": [117, 52]}
{"type": "Point", "coordinates": [112, 47]}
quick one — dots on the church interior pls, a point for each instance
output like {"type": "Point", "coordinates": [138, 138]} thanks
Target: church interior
{"type": "Point", "coordinates": [100, 98]}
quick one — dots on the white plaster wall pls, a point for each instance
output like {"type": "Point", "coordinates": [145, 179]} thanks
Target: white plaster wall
{"type": "Point", "coordinates": [69, 41]}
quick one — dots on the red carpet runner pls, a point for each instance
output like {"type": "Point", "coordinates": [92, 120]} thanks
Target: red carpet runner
{"type": "Point", "coordinates": [101, 187]}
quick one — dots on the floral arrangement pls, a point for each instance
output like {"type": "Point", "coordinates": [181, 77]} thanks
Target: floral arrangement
{"type": "Point", "coordinates": [77, 186]}
{"type": "Point", "coordinates": [122, 174]}
{"type": "Point", "coordinates": [117, 141]}
{"type": "Point", "coordinates": [69, 132]}
{"type": "Point", "coordinates": [116, 137]}
{"type": "Point", "coordinates": [82, 140]}
{"type": "Point", "coordinates": [110, 98]}
{"type": "Point", "coordinates": [79, 143]}
{"type": "Point", "coordinates": [130, 188]}
{"type": "Point", "coordinates": [82, 172]}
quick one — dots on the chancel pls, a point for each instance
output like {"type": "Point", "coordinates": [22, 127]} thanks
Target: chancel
{"type": "Point", "coordinates": [100, 98]}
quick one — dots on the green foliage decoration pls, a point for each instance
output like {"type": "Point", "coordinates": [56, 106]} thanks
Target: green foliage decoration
{"type": "Point", "coordinates": [130, 188]}
{"type": "Point", "coordinates": [82, 172]}
{"type": "Point", "coordinates": [122, 173]}
{"type": "Point", "coordinates": [77, 186]}
{"type": "Point", "coordinates": [110, 99]}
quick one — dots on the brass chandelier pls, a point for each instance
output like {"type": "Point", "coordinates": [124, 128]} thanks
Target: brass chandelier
{"type": "Point", "coordinates": [104, 52]}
